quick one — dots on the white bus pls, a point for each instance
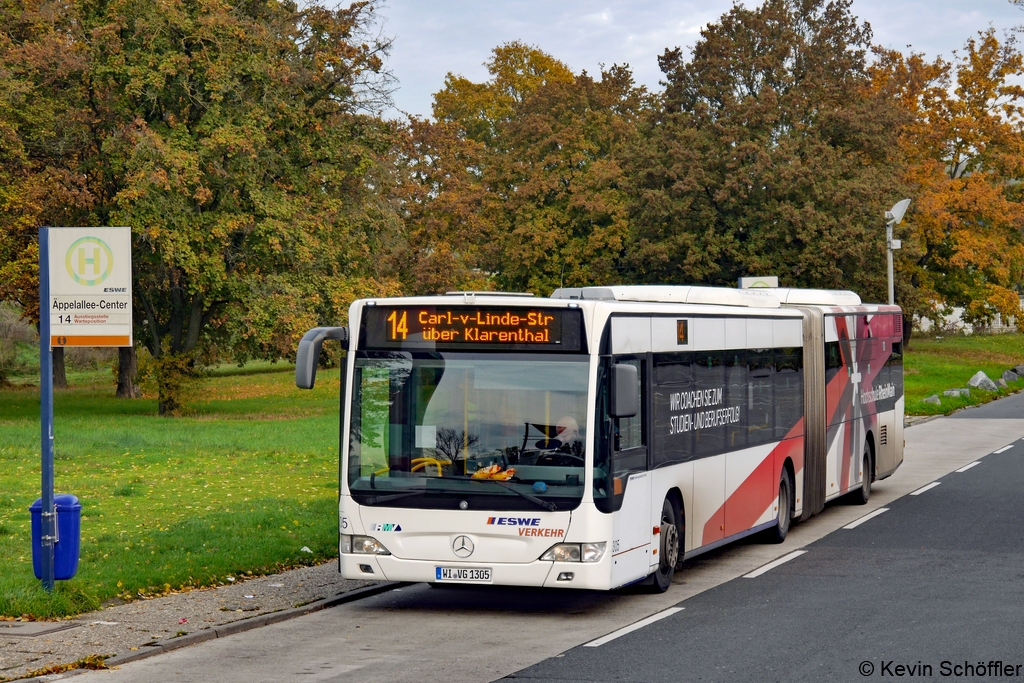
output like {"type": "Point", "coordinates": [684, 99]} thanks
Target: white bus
{"type": "Point", "coordinates": [599, 437]}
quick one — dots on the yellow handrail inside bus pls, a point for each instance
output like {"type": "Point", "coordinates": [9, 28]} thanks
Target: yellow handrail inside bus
{"type": "Point", "coordinates": [421, 463]}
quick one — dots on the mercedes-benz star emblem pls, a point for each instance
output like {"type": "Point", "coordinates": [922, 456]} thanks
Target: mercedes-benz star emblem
{"type": "Point", "coordinates": [462, 546]}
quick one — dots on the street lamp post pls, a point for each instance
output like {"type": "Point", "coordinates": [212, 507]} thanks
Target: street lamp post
{"type": "Point", "coordinates": [893, 217]}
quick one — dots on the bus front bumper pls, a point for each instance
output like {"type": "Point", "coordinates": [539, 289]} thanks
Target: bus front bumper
{"type": "Point", "coordinates": [585, 575]}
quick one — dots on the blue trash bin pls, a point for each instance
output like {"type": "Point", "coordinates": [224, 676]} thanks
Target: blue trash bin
{"type": "Point", "coordinates": [69, 528]}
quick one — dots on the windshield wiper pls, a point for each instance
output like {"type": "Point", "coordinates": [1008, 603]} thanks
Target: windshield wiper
{"type": "Point", "coordinates": [550, 507]}
{"type": "Point", "coordinates": [547, 505]}
{"type": "Point", "coordinates": [379, 500]}
{"type": "Point", "coordinates": [376, 500]}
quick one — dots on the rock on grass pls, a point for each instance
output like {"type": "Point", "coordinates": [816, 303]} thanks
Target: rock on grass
{"type": "Point", "coordinates": [981, 381]}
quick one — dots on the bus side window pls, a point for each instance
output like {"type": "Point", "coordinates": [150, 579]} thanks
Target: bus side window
{"type": "Point", "coordinates": [629, 431]}
{"type": "Point", "coordinates": [788, 384]}
{"type": "Point", "coordinates": [896, 357]}
{"type": "Point", "coordinates": [620, 441]}
{"type": "Point", "coordinates": [833, 360]}
{"type": "Point", "coordinates": [736, 395]}
{"type": "Point", "coordinates": [673, 380]}
{"type": "Point", "coordinates": [709, 375]}
{"type": "Point", "coordinates": [759, 397]}
{"type": "Point", "coordinates": [895, 367]}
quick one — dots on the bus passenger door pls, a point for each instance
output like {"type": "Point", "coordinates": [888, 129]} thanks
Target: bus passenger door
{"type": "Point", "coordinates": [631, 538]}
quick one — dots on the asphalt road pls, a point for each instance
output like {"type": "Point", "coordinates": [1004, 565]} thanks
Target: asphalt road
{"type": "Point", "coordinates": [1009, 408]}
{"type": "Point", "coordinates": [937, 576]}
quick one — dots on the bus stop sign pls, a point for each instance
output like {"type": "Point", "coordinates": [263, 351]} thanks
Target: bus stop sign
{"type": "Point", "coordinates": [85, 299]}
{"type": "Point", "coordinates": [90, 300]}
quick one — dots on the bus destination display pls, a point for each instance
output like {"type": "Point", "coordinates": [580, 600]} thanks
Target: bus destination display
{"type": "Point", "coordinates": [464, 327]}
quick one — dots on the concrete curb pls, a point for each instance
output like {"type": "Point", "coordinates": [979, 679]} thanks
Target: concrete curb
{"type": "Point", "coordinates": [228, 629]}
{"type": "Point", "coordinates": [926, 419]}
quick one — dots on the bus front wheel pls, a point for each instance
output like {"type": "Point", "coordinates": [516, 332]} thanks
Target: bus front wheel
{"type": "Point", "coordinates": [668, 548]}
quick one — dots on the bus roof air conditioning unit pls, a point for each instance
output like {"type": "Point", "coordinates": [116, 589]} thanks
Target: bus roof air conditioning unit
{"type": "Point", "coordinates": [674, 294]}
{"type": "Point", "coordinates": [792, 296]}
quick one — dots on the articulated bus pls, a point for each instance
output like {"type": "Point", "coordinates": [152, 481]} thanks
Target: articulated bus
{"type": "Point", "coordinates": [600, 437]}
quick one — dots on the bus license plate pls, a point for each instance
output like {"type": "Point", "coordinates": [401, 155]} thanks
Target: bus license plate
{"type": "Point", "coordinates": [463, 574]}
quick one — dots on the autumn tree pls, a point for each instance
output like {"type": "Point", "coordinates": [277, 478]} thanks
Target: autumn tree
{"type": "Point", "coordinates": [519, 183]}
{"type": "Point", "coordinates": [231, 138]}
{"type": "Point", "coordinates": [517, 71]}
{"type": "Point", "coordinates": [964, 149]}
{"type": "Point", "coordinates": [26, 201]}
{"type": "Point", "coordinates": [440, 195]}
{"type": "Point", "coordinates": [770, 154]}
{"type": "Point", "coordinates": [561, 213]}
{"type": "Point", "coordinates": [445, 167]}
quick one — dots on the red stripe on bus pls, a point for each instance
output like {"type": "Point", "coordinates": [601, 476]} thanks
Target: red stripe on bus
{"type": "Point", "coordinates": [748, 502]}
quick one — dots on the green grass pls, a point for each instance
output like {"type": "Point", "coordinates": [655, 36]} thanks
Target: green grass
{"type": "Point", "coordinates": [239, 486]}
{"type": "Point", "coordinates": [933, 365]}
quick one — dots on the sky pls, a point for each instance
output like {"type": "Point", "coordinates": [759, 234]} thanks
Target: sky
{"type": "Point", "coordinates": [435, 37]}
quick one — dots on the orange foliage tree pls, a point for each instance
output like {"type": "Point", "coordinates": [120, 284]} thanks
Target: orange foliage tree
{"type": "Point", "coordinates": [964, 149]}
{"type": "Point", "coordinates": [518, 181]}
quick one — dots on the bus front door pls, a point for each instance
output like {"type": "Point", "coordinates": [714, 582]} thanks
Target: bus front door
{"type": "Point", "coordinates": [631, 537]}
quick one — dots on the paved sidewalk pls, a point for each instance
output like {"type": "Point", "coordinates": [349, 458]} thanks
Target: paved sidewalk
{"type": "Point", "coordinates": [128, 630]}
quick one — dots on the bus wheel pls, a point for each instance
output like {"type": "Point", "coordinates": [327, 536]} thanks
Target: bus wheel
{"type": "Point", "coordinates": [861, 495]}
{"type": "Point", "coordinates": [668, 550]}
{"type": "Point", "coordinates": [682, 535]}
{"type": "Point", "coordinates": [777, 534]}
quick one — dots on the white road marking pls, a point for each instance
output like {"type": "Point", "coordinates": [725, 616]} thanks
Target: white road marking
{"type": "Point", "coordinates": [970, 465]}
{"type": "Point", "coordinates": [872, 515]}
{"type": "Point", "coordinates": [929, 487]}
{"type": "Point", "coordinates": [772, 565]}
{"type": "Point", "coordinates": [1004, 449]}
{"type": "Point", "coordinates": [633, 627]}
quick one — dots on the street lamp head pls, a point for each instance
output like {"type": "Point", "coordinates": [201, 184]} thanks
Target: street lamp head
{"type": "Point", "coordinates": [894, 215]}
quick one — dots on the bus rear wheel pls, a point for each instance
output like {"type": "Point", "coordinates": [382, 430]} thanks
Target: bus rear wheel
{"type": "Point", "coordinates": [778, 533]}
{"type": "Point", "coordinates": [668, 548]}
{"type": "Point", "coordinates": [861, 495]}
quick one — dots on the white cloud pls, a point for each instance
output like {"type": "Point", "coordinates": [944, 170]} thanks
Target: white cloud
{"type": "Point", "coordinates": [604, 18]}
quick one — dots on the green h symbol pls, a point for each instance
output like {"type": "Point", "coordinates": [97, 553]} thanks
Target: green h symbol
{"type": "Point", "coordinates": [94, 261]}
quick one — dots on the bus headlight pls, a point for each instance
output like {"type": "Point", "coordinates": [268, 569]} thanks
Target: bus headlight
{"type": "Point", "coordinates": [593, 552]}
{"type": "Point", "coordinates": [362, 545]}
{"type": "Point", "coordinates": [575, 552]}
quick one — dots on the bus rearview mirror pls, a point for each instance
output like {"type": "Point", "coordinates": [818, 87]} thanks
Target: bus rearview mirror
{"type": "Point", "coordinates": [625, 390]}
{"type": "Point", "coordinates": [309, 353]}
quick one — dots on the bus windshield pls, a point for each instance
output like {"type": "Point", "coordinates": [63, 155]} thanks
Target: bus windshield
{"type": "Point", "coordinates": [451, 430]}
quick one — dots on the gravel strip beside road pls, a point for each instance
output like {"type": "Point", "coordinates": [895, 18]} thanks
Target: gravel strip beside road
{"type": "Point", "coordinates": [124, 629]}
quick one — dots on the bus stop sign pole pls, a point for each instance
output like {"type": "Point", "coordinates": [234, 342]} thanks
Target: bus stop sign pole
{"type": "Point", "coordinates": [49, 515]}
